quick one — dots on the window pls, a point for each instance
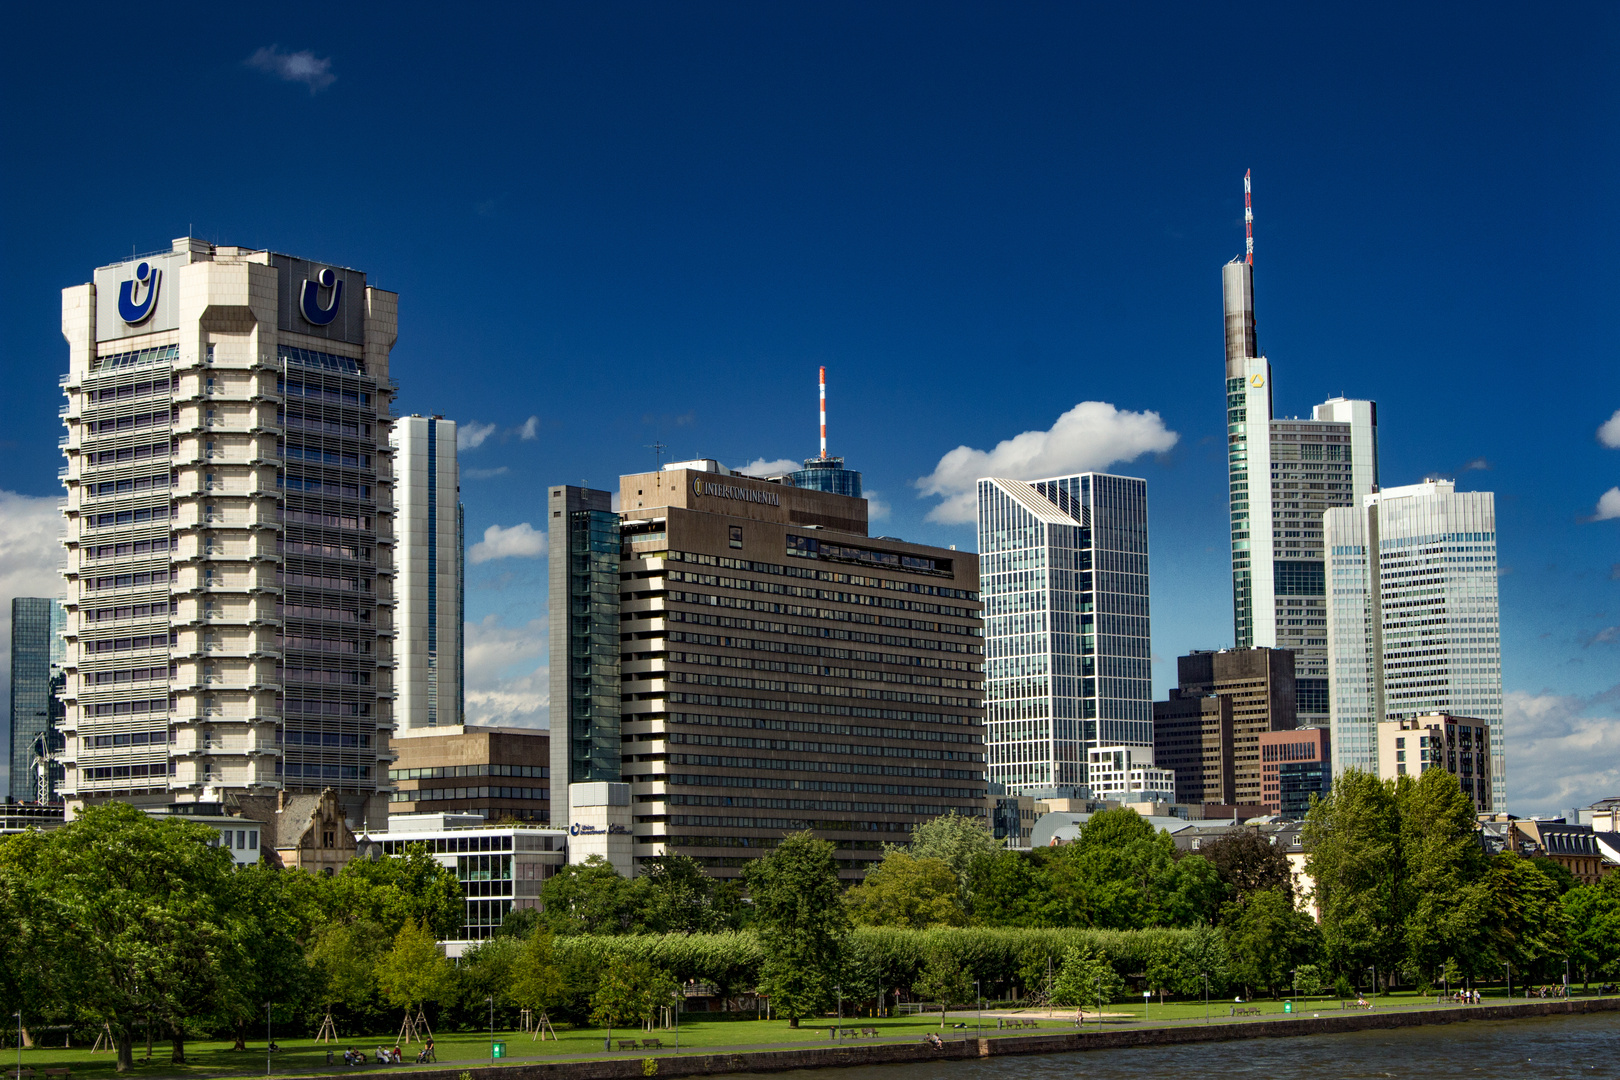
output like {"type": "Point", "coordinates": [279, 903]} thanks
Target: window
{"type": "Point", "coordinates": [736, 536]}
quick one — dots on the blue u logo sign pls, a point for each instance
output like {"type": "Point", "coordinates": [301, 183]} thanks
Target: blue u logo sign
{"type": "Point", "coordinates": [132, 313]}
{"type": "Point", "coordinates": [309, 301]}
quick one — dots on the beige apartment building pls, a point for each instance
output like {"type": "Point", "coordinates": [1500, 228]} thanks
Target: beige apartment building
{"type": "Point", "coordinates": [1459, 744]}
{"type": "Point", "coordinates": [779, 668]}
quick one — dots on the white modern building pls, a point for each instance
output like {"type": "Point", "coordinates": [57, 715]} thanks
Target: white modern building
{"type": "Point", "coordinates": [1413, 624]}
{"type": "Point", "coordinates": [1063, 567]}
{"type": "Point", "coordinates": [500, 867]}
{"type": "Point", "coordinates": [431, 573]}
{"type": "Point", "coordinates": [1285, 473]}
{"type": "Point", "coordinates": [229, 530]}
{"type": "Point", "coordinates": [1127, 774]}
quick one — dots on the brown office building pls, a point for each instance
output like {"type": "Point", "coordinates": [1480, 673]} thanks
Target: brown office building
{"type": "Point", "coordinates": [1213, 746]}
{"type": "Point", "coordinates": [779, 670]}
{"type": "Point", "coordinates": [501, 774]}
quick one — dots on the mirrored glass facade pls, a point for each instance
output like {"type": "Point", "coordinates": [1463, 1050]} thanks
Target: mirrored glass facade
{"type": "Point", "coordinates": [1064, 577]}
{"type": "Point", "coordinates": [36, 696]}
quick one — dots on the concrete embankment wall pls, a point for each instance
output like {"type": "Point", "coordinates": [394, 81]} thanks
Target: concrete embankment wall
{"type": "Point", "coordinates": [857, 1055]}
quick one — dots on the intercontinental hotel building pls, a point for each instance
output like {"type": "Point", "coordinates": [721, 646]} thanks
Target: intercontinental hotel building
{"type": "Point", "coordinates": [742, 659]}
{"type": "Point", "coordinates": [228, 531]}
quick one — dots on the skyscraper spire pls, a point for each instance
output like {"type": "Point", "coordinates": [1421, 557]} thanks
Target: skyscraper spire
{"type": "Point", "coordinates": [1248, 222]}
{"type": "Point", "coordinates": [823, 414]}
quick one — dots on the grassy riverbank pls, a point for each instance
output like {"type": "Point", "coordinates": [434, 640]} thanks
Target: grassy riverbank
{"type": "Point", "coordinates": [305, 1057]}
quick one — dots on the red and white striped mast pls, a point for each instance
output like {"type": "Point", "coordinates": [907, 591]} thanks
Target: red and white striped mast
{"type": "Point", "coordinates": [1248, 221]}
{"type": "Point", "coordinates": [824, 414]}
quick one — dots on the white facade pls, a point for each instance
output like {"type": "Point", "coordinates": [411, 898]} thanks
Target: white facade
{"type": "Point", "coordinates": [228, 530]}
{"type": "Point", "coordinates": [1414, 622]}
{"type": "Point", "coordinates": [1127, 774]}
{"type": "Point", "coordinates": [500, 867]}
{"type": "Point", "coordinates": [431, 575]}
{"type": "Point", "coordinates": [599, 823]}
{"type": "Point", "coordinates": [1284, 475]}
{"type": "Point", "coordinates": [1063, 571]}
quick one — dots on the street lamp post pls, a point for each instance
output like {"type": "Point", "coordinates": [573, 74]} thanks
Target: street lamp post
{"type": "Point", "coordinates": [18, 1015]}
{"type": "Point", "coordinates": [1509, 968]}
{"type": "Point", "coordinates": [1099, 1004]}
{"type": "Point", "coordinates": [1205, 977]}
{"type": "Point", "coordinates": [978, 1001]}
{"type": "Point", "coordinates": [491, 1000]}
{"type": "Point", "coordinates": [267, 1040]}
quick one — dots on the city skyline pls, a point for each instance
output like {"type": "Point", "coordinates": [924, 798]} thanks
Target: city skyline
{"type": "Point", "coordinates": [1004, 256]}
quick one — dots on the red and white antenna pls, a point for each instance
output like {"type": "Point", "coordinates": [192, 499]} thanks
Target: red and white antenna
{"type": "Point", "coordinates": [1248, 221]}
{"type": "Point", "coordinates": [824, 414]}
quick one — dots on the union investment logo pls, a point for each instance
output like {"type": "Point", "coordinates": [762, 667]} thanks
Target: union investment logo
{"type": "Point", "coordinates": [144, 283]}
{"type": "Point", "coordinates": [309, 300]}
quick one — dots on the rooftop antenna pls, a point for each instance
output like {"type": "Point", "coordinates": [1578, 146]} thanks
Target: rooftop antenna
{"type": "Point", "coordinates": [658, 449]}
{"type": "Point", "coordinates": [824, 414]}
{"type": "Point", "coordinates": [1248, 221]}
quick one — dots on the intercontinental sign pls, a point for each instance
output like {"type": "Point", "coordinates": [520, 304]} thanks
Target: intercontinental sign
{"type": "Point", "coordinates": [701, 486]}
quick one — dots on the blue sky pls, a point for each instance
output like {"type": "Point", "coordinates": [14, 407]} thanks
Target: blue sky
{"type": "Point", "coordinates": [639, 223]}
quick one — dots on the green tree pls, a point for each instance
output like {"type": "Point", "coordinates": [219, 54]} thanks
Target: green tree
{"type": "Point", "coordinates": [271, 926]}
{"type": "Point", "coordinates": [1086, 978]}
{"type": "Point", "coordinates": [346, 958]}
{"type": "Point", "coordinates": [1446, 901]}
{"type": "Point", "coordinates": [1592, 913]}
{"type": "Point", "coordinates": [903, 891]}
{"type": "Point", "coordinates": [589, 898]}
{"type": "Point", "coordinates": [1266, 938]}
{"type": "Point", "coordinates": [537, 982]}
{"type": "Point", "coordinates": [397, 890]}
{"type": "Point", "coordinates": [1122, 874]}
{"type": "Point", "coordinates": [675, 896]}
{"type": "Point", "coordinates": [1526, 917]}
{"type": "Point", "coordinates": [1353, 853]}
{"type": "Point", "coordinates": [414, 972]}
{"type": "Point", "coordinates": [957, 840]}
{"type": "Point", "coordinates": [1005, 889]}
{"type": "Point", "coordinates": [632, 990]}
{"type": "Point", "coordinates": [943, 979]}
{"type": "Point", "coordinates": [1247, 862]}
{"type": "Point", "coordinates": [802, 924]}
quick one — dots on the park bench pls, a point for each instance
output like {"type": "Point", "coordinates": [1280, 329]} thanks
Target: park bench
{"type": "Point", "coordinates": [870, 1032]}
{"type": "Point", "coordinates": [629, 1044]}
{"type": "Point", "coordinates": [22, 1073]}
{"type": "Point", "coordinates": [64, 1072]}
{"type": "Point", "coordinates": [651, 1044]}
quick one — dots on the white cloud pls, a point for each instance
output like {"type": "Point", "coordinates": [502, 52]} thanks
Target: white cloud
{"type": "Point", "coordinates": [1609, 433]}
{"type": "Point", "coordinates": [30, 553]}
{"type": "Point", "coordinates": [484, 474]}
{"type": "Point", "coordinates": [1559, 754]}
{"type": "Point", "coordinates": [1092, 435]}
{"type": "Point", "coordinates": [303, 66]}
{"type": "Point", "coordinates": [877, 507]}
{"type": "Point", "coordinates": [1608, 505]}
{"type": "Point", "coordinates": [521, 541]}
{"type": "Point", "coordinates": [471, 435]}
{"type": "Point", "coordinates": [508, 681]}
{"type": "Point", "coordinates": [761, 467]}
{"type": "Point", "coordinates": [530, 429]}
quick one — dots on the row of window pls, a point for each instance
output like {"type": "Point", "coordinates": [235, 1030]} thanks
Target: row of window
{"type": "Point", "coordinates": [325, 425]}
{"type": "Point", "coordinates": [138, 516]}
{"type": "Point", "coordinates": [817, 575]}
{"type": "Point", "coordinates": [750, 802]}
{"type": "Point", "coordinates": [448, 772]}
{"type": "Point", "coordinates": [822, 651]}
{"type": "Point", "coordinates": [128, 390]}
{"type": "Point", "coordinates": [468, 794]}
{"type": "Point", "coordinates": [127, 453]}
{"type": "Point", "coordinates": [826, 632]}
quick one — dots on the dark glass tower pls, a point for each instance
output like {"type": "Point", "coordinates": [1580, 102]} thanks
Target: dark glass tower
{"type": "Point", "coordinates": [36, 696]}
{"type": "Point", "coordinates": [584, 580]}
{"type": "Point", "coordinates": [827, 474]}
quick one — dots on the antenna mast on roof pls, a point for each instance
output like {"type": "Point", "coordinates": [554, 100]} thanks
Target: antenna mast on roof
{"type": "Point", "coordinates": [824, 414]}
{"type": "Point", "coordinates": [1248, 222]}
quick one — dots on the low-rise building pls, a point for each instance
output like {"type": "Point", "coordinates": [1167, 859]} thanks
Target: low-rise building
{"type": "Point", "coordinates": [500, 867]}
{"type": "Point", "coordinates": [498, 773]}
{"type": "Point", "coordinates": [1587, 854]}
{"type": "Point", "coordinates": [1458, 744]}
{"type": "Point", "coordinates": [1294, 765]}
{"type": "Point", "coordinates": [1127, 774]}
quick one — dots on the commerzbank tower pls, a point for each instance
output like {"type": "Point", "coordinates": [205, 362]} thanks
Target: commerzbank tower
{"type": "Point", "coordinates": [1285, 473]}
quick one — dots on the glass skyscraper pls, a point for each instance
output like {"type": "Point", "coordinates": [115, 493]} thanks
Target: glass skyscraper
{"type": "Point", "coordinates": [36, 695]}
{"type": "Point", "coordinates": [1413, 625]}
{"type": "Point", "coordinates": [1063, 569]}
{"type": "Point", "coordinates": [431, 556]}
{"type": "Point", "coordinates": [584, 611]}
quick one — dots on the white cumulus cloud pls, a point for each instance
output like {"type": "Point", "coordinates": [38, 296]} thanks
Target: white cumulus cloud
{"type": "Point", "coordinates": [521, 541]}
{"type": "Point", "coordinates": [1560, 753]}
{"type": "Point", "coordinates": [1608, 506]}
{"type": "Point", "coordinates": [1609, 433]}
{"type": "Point", "coordinates": [508, 682]}
{"type": "Point", "coordinates": [530, 429]}
{"type": "Point", "coordinates": [1092, 435]}
{"type": "Point", "coordinates": [761, 467]}
{"type": "Point", "coordinates": [303, 66]}
{"type": "Point", "coordinates": [471, 435]}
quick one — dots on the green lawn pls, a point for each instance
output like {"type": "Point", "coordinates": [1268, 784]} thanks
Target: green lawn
{"type": "Point", "coordinates": [305, 1056]}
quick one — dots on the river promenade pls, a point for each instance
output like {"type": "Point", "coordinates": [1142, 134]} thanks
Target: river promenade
{"type": "Point", "coordinates": [959, 1047]}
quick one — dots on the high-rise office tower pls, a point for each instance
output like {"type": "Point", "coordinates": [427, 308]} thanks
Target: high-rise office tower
{"type": "Point", "coordinates": [584, 621]}
{"type": "Point", "coordinates": [36, 696]}
{"type": "Point", "coordinates": [229, 530]}
{"type": "Point", "coordinates": [1414, 627]}
{"type": "Point", "coordinates": [1208, 746]}
{"type": "Point", "coordinates": [778, 670]}
{"type": "Point", "coordinates": [1064, 571]}
{"type": "Point", "coordinates": [826, 473]}
{"type": "Point", "coordinates": [1284, 474]}
{"type": "Point", "coordinates": [431, 571]}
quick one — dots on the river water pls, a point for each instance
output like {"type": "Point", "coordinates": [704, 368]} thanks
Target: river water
{"type": "Point", "coordinates": [1552, 1048]}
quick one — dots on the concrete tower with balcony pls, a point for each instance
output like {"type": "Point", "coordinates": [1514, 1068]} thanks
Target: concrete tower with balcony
{"type": "Point", "coordinates": [228, 530]}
